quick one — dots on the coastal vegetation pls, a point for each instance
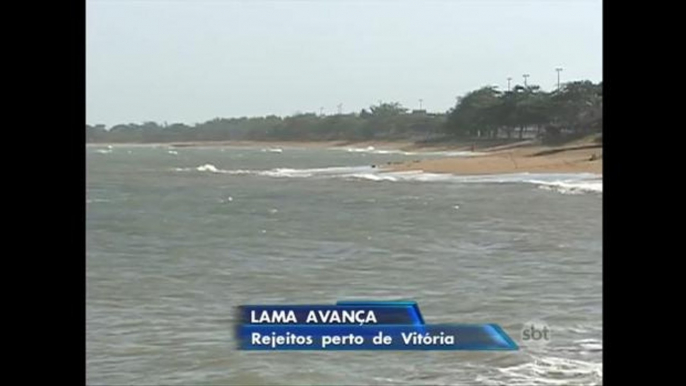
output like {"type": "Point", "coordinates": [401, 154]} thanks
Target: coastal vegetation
{"type": "Point", "coordinates": [573, 110]}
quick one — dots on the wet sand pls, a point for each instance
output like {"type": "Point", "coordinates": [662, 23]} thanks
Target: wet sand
{"type": "Point", "coordinates": [532, 159]}
{"type": "Point", "coordinates": [516, 157]}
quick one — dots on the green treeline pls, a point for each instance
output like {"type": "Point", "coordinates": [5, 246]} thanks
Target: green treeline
{"type": "Point", "coordinates": [486, 113]}
{"type": "Point", "coordinates": [577, 108]}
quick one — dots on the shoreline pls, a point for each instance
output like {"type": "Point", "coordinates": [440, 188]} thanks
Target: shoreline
{"type": "Point", "coordinates": [400, 145]}
{"type": "Point", "coordinates": [582, 156]}
{"type": "Point", "coordinates": [533, 159]}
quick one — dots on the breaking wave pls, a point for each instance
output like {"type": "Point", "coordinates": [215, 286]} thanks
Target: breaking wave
{"type": "Point", "coordinates": [561, 183]}
{"type": "Point", "coordinates": [94, 200]}
{"type": "Point", "coordinates": [572, 187]}
{"type": "Point", "coordinates": [373, 150]}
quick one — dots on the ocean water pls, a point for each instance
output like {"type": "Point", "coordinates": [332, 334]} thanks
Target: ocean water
{"type": "Point", "coordinates": [176, 238]}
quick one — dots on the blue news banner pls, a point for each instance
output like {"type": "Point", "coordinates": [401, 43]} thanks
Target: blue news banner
{"type": "Point", "coordinates": [359, 326]}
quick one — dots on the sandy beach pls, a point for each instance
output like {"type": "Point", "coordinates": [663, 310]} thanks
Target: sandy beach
{"type": "Point", "coordinates": [531, 159]}
{"type": "Point", "coordinates": [583, 156]}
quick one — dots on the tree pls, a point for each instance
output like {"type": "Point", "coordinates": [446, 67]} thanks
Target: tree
{"type": "Point", "coordinates": [577, 107]}
{"type": "Point", "coordinates": [475, 113]}
{"type": "Point", "coordinates": [95, 133]}
{"type": "Point", "coordinates": [385, 110]}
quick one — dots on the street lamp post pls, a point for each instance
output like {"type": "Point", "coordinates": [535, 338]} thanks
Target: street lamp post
{"type": "Point", "coordinates": [525, 77]}
{"type": "Point", "coordinates": [508, 83]}
{"type": "Point", "coordinates": [558, 77]}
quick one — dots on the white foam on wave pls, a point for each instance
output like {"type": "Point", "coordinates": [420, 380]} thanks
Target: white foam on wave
{"type": "Point", "coordinates": [367, 149]}
{"type": "Point", "coordinates": [373, 177]}
{"type": "Point", "coordinates": [563, 183]}
{"type": "Point", "coordinates": [572, 187]}
{"type": "Point", "coordinates": [390, 152]}
{"type": "Point", "coordinates": [583, 328]}
{"type": "Point", "coordinates": [213, 169]}
{"type": "Point", "coordinates": [228, 199]}
{"type": "Point", "coordinates": [280, 172]}
{"type": "Point", "coordinates": [580, 182]}
{"type": "Point", "coordinates": [207, 168]}
{"type": "Point", "coordinates": [272, 150]}
{"type": "Point", "coordinates": [94, 200]}
{"type": "Point", "coordinates": [590, 344]}
{"type": "Point", "coordinates": [373, 150]}
{"type": "Point", "coordinates": [104, 151]}
{"type": "Point", "coordinates": [329, 172]}
{"type": "Point", "coordinates": [547, 371]}
{"type": "Point", "coordinates": [456, 153]}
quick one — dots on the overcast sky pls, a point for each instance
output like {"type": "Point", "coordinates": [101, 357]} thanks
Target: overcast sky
{"type": "Point", "coordinates": [193, 60]}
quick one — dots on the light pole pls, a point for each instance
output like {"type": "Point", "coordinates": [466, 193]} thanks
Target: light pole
{"type": "Point", "coordinates": [508, 83]}
{"type": "Point", "coordinates": [558, 77]}
{"type": "Point", "coordinates": [420, 103]}
{"type": "Point", "coordinates": [525, 77]}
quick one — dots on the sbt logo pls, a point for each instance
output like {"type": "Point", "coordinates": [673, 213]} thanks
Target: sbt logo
{"type": "Point", "coordinates": [536, 333]}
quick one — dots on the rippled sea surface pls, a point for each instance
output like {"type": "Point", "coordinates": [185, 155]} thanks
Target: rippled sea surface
{"type": "Point", "coordinates": [176, 238]}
